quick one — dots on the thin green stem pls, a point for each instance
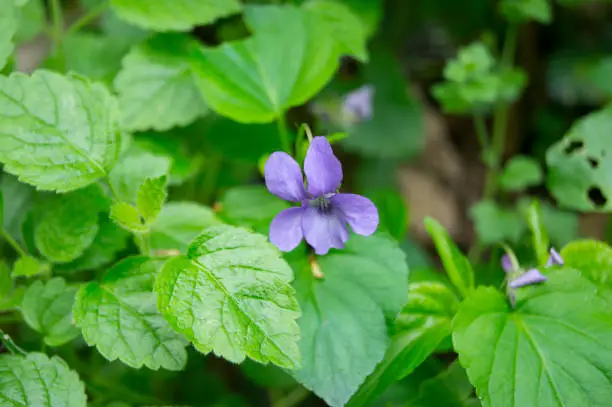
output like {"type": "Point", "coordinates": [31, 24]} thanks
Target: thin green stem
{"type": "Point", "coordinates": [112, 189]}
{"type": "Point", "coordinates": [481, 132]}
{"type": "Point", "coordinates": [13, 243]}
{"type": "Point", "coordinates": [13, 318]}
{"type": "Point", "coordinates": [145, 246]}
{"type": "Point", "coordinates": [10, 345]}
{"type": "Point", "coordinates": [87, 18]}
{"type": "Point", "coordinates": [58, 30]}
{"type": "Point", "coordinates": [283, 134]}
{"type": "Point", "coordinates": [294, 398]}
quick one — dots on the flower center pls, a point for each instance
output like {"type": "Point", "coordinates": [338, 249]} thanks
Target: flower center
{"type": "Point", "coordinates": [321, 203]}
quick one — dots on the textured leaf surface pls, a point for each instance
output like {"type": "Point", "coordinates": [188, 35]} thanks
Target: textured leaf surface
{"type": "Point", "coordinates": [38, 381]}
{"type": "Point", "coordinates": [57, 132]}
{"type": "Point", "coordinates": [151, 197]}
{"type": "Point", "coordinates": [173, 15]}
{"type": "Point", "coordinates": [231, 295]}
{"type": "Point", "coordinates": [47, 308]}
{"type": "Point", "coordinates": [8, 27]}
{"type": "Point", "coordinates": [120, 318]}
{"type": "Point", "coordinates": [156, 86]}
{"type": "Point", "coordinates": [133, 169]}
{"type": "Point", "coordinates": [553, 349]}
{"type": "Point", "coordinates": [128, 217]}
{"type": "Point", "coordinates": [345, 314]}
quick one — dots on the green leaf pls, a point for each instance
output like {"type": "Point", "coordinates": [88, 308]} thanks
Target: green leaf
{"type": "Point", "coordinates": [496, 224]}
{"type": "Point", "coordinates": [32, 20]}
{"type": "Point", "coordinates": [286, 61]}
{"type": "Point", "coordinates": [551, 350]}
{"type": "Point", "coordinates": [57, 132]}
{"type": "Point", "coordinates": [133, 169]}
{"type": "Point", "coordinates": [15, 209]}
{"type": "Point", "coordinates": [151, 197]}
{"type": "Point", "coordinates": [451, 388]}
{"type": "Point", "coordinates": [69, 224]}
{"type": "Point", "coordinates": [345, 314]}
{"type": "Point", "coordinates": [421, 326]}
{"type": "Point", "coordinates": [592, 258]}
{"type": "Point", "coordinates": [156, 86]}
{"type": "Point", "coordinates": [6, 282]}
{"type": "Point", "coordinates": [455, 263]}
{"type": "Point", "coordinates": [47, 308]}
{"type": "Point", "coordinates": [37, 380]}
{"type": "Point", "coordinates": [520, 11]}
{"type": "Point", "coordinates": [128, 217]}
{"type": "Point", "coordinates": [251, 206]}
{"type": "Point", "coordinates": [392, 211]}
{"type": "Point", "coordinates": [231, 295]}
{"type": "Point", "coordinates": [520, 173]}
{"type": "Point", "coordinates": [178, 224]}
{"type": "Point", "coordinates": [1, 208]}
{"type": "Point", "coordinates": [125, 298]}
{"type": "Point", "coordinates": [368, 11]}
{"type": "Point", "coordinates": [174, 15]}
{"type": "Point", "coordinates": [472, 61]}
{"type": "Point", "coordinates": [28, 266]}
{"type": "Point", "coordinates": [540, 241]}
{"type": "Point", "coordinates": [8, 27]}
{"type": "Point", "coordinates": [579, 164]}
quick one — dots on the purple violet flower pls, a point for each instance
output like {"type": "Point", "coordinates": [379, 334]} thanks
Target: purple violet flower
{"type": "Point", "coordinates": [554, 259]}
{"type": "Point", "coordinates": [358, 103]}
{"type": "Point", "coordinates": [322, 217]}
{"type": "Point", "coordinates": [531, 276]}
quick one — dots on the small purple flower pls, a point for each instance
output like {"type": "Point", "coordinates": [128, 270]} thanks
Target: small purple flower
{"type": "Point", "coordinates": [531, 276]}
{"type": "Point", "coordinates": [554, 259]}
{"type": "Point", "coordinates": [358, 103]}
{"type": "Point", "coordinates": [507, 263]}
{"type": "Point", "coordinates": [322, 217]}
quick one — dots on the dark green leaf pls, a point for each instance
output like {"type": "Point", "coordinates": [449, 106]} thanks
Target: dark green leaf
{"type": "Point", "coordinates": [521, 172]}
{"type": "Point", "coordinates": [520, 11]}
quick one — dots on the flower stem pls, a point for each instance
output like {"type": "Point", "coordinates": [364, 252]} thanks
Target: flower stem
{"type": "Point", "coordinates": [294, 398]}
{"type": "Point", "coordinates": [57, 31]}
{"type": "Point", "coordinates": [86, 18]}
{"type": "Point", "coordinates": [13, 243]}
{"type": "Point", "coordinates": [282, 132]}
{"type": "Point", "coordinates": [10, 345]}
{"type": "Point", "coordinates": [112, 189]}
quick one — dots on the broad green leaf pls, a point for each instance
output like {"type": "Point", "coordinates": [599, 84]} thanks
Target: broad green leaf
{"type": "Point", "coordinates": [496, 224]}
{"type": "Point", "coordinates": [368, 11]}
{"type": "Point", "coordinates": [552, 349]}
{"type": "Point", "coordinates": [39, 381]}
{"type": "Point", "coordinates": [520, 11]}
{"type": "Point", "coordinates": [28, 266]}
{"type": "Point", "coordinates": [69, 224]}
{"type": "Point", "coordinates": [455, 263]}
{"type": "Point", "coordinates": [128, 217]}
{"type": "Point", "coordinates": [251, 206]}
{"type": "Point", "coordinates": [178, 224]}
{"type": "Point", "coordinates": [16, 208]}
{"type": "Point", "coordinates": [8, 28]}
{"type": "Point", "coordinates": [592, 258]}
{"type": "Point", "coordinates": [231, 295]}
{"type": "Point", "coordinates": [539, 236]}
{"type": "Point", "coordinates": [345, 314]}
{"type": "Point", "coordinates": [124, 298]}
{"type": "Point", "coordinates": [392, 211]}
{"type": "Point", "coordinates": [421, 326]}
{"type": "Point", "coordinates": [451, 388]}
{"type": "Point", "coordinates": [156, 86]}
{"type": "Point", "coordinates": [174, 15]}
{"type": "Point", "coordinates": [134, 167]}
{"type": "Point", "coordinates": [580, 170]}
{"type": "Point", "coordinates": [521, 172]}
{"type": "Point", "coordinates": [286, 61]}
{"type": "Point", "coordinates": [47, 308]}
{"type": "Point", "coordinates": [57, 132]}
{"type": "Point", "coordinates": [31, 18]}
{"type": "Point", "coordinates": [151, 197]}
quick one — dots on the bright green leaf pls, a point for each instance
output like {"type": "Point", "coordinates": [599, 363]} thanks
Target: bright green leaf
{"type": "Point", "coordinates": [28, 266]}
{"type": "Point", "coordinates": [552, 349]}
{"type": "Point", "coordinates": [151, 197]}
{"type": "Point", "coordinates": [423, 323]}
{"type": "Point", "coordinates": [134, 167]}
{"type": "Point", "coordinates": [521, 172]}
{"type": "Point", "coordinates": [39, 381]}
{"type": "Point", "coordinates": [174, 15]}
{"type": "Point", "coordinates": [231, 295]}
{"type": "Point", "coordinates": [455, 263]}
{"type": "Point", "coordinates": [125, 299]}
{"type": "Point", "coordinates": [520, 11]}
{"type": "Point", "coordinates": [8, 28]}
{"type": "Point", "coordinates": [496, 224]}
{"type": "Point", "coordinates": [472, 61]}
{"type": "Point", "coordinates": [128, 217]}
{"type": "Point", "coordinates": [47, 308]}
{"type": "Point", "coordinates": [592, 258]}
{"type": "Point", "coordinates": [345, 314]}
{"type": "Point", "coordinates": [57, 132]}
{"type": "Point", "coordinates": [368, 11]}
{"type": "Point", "coordinates": [156, 86]}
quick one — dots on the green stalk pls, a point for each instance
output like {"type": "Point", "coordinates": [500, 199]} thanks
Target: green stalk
{"type": "Point", "coordinates": [10, 345]}
{"type": "Point", "coordinates": [87, 18]}
{"type": "Point", "coordinates": [13, 243]}
{"type": "Point", "coordinates": [283, 134]}
{"type": "Point", "coordinates": [294, 398]}
{"type": "Point", "coordinates": [58, 31]}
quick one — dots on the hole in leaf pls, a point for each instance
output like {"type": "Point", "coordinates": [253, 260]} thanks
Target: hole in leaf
{"type": "Point", "coordinates": [597, 197]}
{"type": "Point", "coordinates": [594, 163]}
{"type": "Point", "coordinates": [573, 146]}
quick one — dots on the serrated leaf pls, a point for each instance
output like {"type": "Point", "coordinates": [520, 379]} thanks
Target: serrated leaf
{"type": "Point", "coordinates": [156, 86]}
{"type": "Point", "coordinates": [231, 295]}
{"type": "Point", "coordinates": [592, 258]}
{"type": "Point", "coordinates": [133, 169]}
{"type": "Point", "coordinates": [496, 224]}
{"type": "Point", "coordinates": [128, 217]}
{"type": "Point", "coordinates": [151, 197]}
{"type": "Point", "coordinates": [174, 15]}
{"type": "Point", "coordinates": [69, 224]}
{"type": "Point", "coordinates": [178, 224]}
{"type": "Point", "coordinates": [47, 308]}
{"type": "Point", "coordinates": [345, 314]}
{"type": "Point", "coordinates": [251, 206]}
{"type": "Point", "coordinates": [57, 132]}
{"type": "Point", "coordinates": [552, 349]}
{"type": "Point", "coordinates": [521, 172]}
{"type": "Point", "coordinates": [422, 325]}
{"type": "Point", "coordinates": [28, 266]}
{"type": "Point", "coordinates": [37, 380]}
{"type": "Point", "coordinates": [286, 61]}
{"type": "Point", "coordinates": [8, 27]}
{"type": "Point", "coordinates": [125, 298]}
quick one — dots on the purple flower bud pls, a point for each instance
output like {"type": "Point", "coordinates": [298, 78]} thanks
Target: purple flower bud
{"type": "Point", "coordinates": [324, 214]}
{"type": "Point", "coordinates": [358, 103]}
{"type": "Point", "coordinates": [507, 263]}
{"type": "Point", "coordinates": [531, 276]}
{"type": "Point", "coordinates": [554, 259]}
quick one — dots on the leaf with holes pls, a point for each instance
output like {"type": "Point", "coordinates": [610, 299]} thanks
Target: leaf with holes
{"type": "Point", "coordinates": [579, 164]}
{"type": "Point", "coordinates": [231, 295]}
{"type": "Point", "coordinates": [37, 380]}
{"type": "Point", "coordinates": [124, 298]}
{"type": "Point", "coordinates": [156, 87]}
{"type": "Point", "coordinates": [174, 15]}
{"type": "Point", "coordinates": [346, 313]}
{"type": "Point", "coordinates": [57, 132]}
{"type": "Point", "coordinates": [552, 349]}
{"type": "Point", "coordinates": [47, 308]}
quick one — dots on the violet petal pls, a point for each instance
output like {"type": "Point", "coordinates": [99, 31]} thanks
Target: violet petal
{"type": "Point", "coordinates": [506, 263]}
{"type": "Point", "coordinates": [323, 170]}
{"type": "Point", "coordinates": [359, 212]}
{"type": "Point", "coordinates": [554, 259]}
{"type": "Point", "coordinates": [286, 229]}
{"type": "Point", "coordinates": [359, 102]}
{"type": "Point", "coordinates": [324, 231]}
{"type": "Point", "coordinates": [531, 276]}
{"type": "Point", "coordinates": [284, 177]}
